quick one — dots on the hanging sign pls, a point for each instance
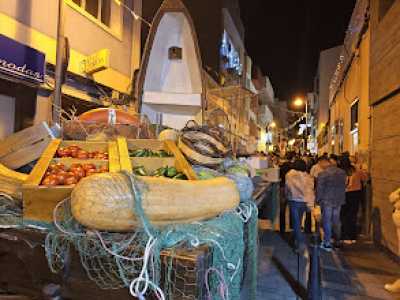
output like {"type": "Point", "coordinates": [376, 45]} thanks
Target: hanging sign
{"type": "Point", "coordinates": [97, 61]}
{"type": "Point", "coordinates": [22, 61]}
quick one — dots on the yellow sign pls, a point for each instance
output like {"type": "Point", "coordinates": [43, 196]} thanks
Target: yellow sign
{"type": "Point", "coordinates": [97, 61]}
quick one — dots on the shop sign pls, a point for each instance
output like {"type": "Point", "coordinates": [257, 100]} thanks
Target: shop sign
{"type": "Point", "coordinates": [19, 60]}
{"type": "Point", "coordinates": [97, 61]}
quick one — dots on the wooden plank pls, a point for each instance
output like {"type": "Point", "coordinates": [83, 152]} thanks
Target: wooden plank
{"type": "Point", "coordinates": [113, 157]}
{"type": "Point", "coordinates": [41, 166]}
{"type": "Point", "coordinates": [385, 51]}
{"type": "Point", "coordinates": [181, 162]}
{"type": "Point", "coordinates": [25, 155]}
{"type": "Point", "coordinates": [87, 145]}
{"type": "Point", "coordinates": [23, 138]}
{"type": "Point", "coordinates": [39, 201]}
{"type": "Point", "coordinates": [124, 159]}
{"type": "Point", "coordinates": [14, 297]}
{"type": "Point", "coordinates": [145, 144]}
{"type": "Point", "coordinates": [4, 171]}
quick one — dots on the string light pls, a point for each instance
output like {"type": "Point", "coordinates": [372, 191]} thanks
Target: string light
{"type": "Point", "coordinates": [135, 15]}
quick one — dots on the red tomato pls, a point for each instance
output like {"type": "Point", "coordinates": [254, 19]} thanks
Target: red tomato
{"type": "Point", "coordinates": [103, 169]}
{"type": "Point", "coordinates": [79, 173]}
{"type": "Point", "coordinates": [88, 166]}
{"type": "Point", "coordinates": [70, 180]}
{"type": "Point", "coordinates": [91, 172]}
{"type": "Point", "coordinates": [49, 181]}
{"type": "Point", "coordinates": [75, 165]}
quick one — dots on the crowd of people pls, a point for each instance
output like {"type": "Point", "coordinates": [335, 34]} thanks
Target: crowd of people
{"type": "Point", "coordinates": [328, 187]}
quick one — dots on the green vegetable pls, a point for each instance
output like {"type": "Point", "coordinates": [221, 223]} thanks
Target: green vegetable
{"type": "Point", "coordinates": [148, 153]}
{"type": "Point", "coordinates": [180, 176]}
{"type": "Point", "coordinates": [140, 171]}
{"type": "Point", "coordinates": [171, 172]}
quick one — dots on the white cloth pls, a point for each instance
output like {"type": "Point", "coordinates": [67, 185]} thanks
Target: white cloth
{"type": "Point", "coordinates": [300, 187]}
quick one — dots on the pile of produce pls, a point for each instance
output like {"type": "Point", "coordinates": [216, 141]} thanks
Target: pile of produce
{"type": "Point", "coordinates": [149, 153]}
{"type": "Point", "coordinates": [169, 172]}
{"type": "Point", "coordinates": [203, 146]}
{"type": "Point", "coordinates": [59, 174]}
{"type": "Point", "coordinates": [74, 151]}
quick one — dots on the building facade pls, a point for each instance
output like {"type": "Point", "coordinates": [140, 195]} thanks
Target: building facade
{"type": "Point", "coordinates": [90, 26]}
{"type": "Point", "coordinates": [349, 115]}
{"type": "Point", "coordinates": [385, 115]}
{"type": "Point", "coordinates": [326, 67]}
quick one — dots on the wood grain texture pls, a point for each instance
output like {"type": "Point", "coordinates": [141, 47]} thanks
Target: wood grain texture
{"type": "Point", "coordinates": [24, 270]}
{"type": "Point", "coordinates": [23, 138]}
{"type": "Point", "coordinates": [125, 162]}
{"type": "Point", "coordinates": [181, 163]}
{"type": "Point", "coordinates": [385, 51]}
{"type": "Point", "coordinates": [39, 201]}
{"type": "Point", "coordinates": [41, 166]}
{"type": "Point", "coordinates": [385, 164]}
{"type": "Point", "coordinates": [153, 163]}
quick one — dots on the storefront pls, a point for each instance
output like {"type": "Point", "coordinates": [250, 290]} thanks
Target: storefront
{"type": "Point", "coordinates": [21, 74]}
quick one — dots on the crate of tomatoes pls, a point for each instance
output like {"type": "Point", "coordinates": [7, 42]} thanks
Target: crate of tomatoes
{"type": "Point", "coordinates": [62, 165]}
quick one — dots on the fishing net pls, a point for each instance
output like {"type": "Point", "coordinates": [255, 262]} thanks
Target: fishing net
{"type": "Point", "coordinates": [10, 212]}
{"type": "Point", "coordinates": [144, 260]}
{"type": "Point", "coordinates": [134, 260]}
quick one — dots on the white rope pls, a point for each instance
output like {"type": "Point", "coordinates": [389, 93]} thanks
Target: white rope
{"type": "Point", "coordinates": [135, 286]}
{"type": "Point", "coordinates": [108, 250]}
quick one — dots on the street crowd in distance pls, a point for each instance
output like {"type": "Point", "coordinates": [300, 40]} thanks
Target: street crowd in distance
{"type": "Point", "coordinates": [330, 188]}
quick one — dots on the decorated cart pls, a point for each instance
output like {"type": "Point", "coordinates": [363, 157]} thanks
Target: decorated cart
{"type": "Point", "coordinates": [130, 218]}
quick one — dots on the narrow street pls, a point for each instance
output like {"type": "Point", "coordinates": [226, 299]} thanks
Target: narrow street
{"type": "Point", "coordinates": [354, 272]}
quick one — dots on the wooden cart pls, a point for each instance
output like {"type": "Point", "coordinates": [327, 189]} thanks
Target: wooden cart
{"type": "Point", "coordinates": [24, 271]}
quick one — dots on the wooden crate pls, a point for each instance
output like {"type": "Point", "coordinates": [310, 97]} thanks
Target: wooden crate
{"type": "Point", "coordinates": [187, 277]}
{"type": "Point", "coordinates": [24, 146]}
{"type": "Point", "coordinates": [39, 201]}
{"type": "Point", "coordinates": [153, 163]}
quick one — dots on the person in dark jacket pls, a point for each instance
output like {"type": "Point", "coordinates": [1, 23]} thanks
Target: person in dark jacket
{"type": "Point", "coordinates": [330, 195]}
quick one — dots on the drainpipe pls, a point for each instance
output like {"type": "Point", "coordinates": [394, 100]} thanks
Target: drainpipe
{"type": "Point", "coordinates": [59, 64]}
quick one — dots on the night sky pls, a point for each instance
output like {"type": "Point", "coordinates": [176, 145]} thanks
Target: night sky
{"type": "Point", "coordinates": [284, 38]}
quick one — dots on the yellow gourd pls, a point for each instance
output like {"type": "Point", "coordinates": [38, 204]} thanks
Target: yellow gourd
{"type": "Point", "coordinates": [105, 201]}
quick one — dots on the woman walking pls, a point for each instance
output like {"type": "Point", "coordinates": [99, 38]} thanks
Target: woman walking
{"type": "Point", "coordinates": [354, 195]}
{"type": "Point", "coordinates": [301, 198]}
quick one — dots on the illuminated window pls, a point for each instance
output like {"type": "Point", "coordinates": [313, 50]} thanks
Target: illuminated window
{"type": "Point", "coordinates": [354, 116]}
{"type": "Point", "coordinates": [230, 56]}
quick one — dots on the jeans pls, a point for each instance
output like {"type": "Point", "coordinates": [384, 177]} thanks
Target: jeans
{"type": "Point", "coordinates": [331, 221]}
{"type": "Point", "coordinates": [297, 210]}
{"type": "Point", "coordinates": [283, 203]}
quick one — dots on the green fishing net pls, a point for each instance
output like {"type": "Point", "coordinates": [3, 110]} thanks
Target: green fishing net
{"type": "Point", "coordinates": [134, 260]}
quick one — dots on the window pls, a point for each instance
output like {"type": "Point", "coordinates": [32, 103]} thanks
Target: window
{"type": "Point", "coordinates": [354, 116]}
{"type": "Point", "coordinates": [384, 6]}
{"type": "Point", "coordinates": [99, 9]}
{"type": "Point", "coordinates": [107, 14]}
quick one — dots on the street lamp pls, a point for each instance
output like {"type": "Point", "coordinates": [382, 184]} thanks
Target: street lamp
{"type": "Point", "coordinates": [300, 102]}
{"type": "Point", "coordinates": [272, 124]}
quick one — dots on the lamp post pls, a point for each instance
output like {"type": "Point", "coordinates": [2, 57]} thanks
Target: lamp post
{"type": "Point", "coordinates": [300, 102]}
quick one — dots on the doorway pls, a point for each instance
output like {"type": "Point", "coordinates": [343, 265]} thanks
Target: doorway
{"type": "Point", "coordinates": [7, 115]}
